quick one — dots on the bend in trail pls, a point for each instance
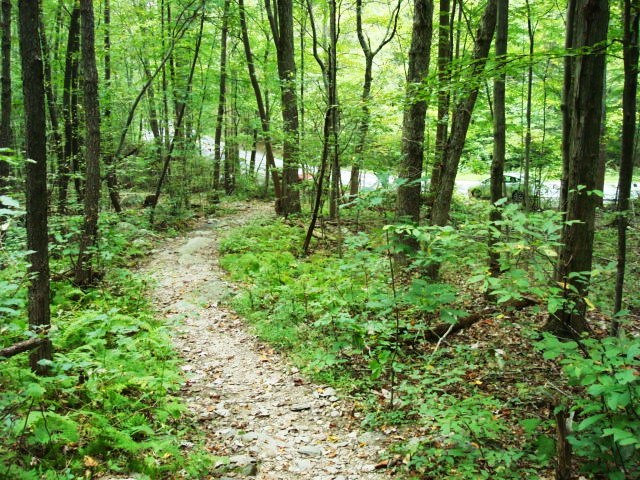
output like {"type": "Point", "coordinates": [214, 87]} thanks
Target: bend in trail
{"type": "Point", "coordinates": [252, 405]}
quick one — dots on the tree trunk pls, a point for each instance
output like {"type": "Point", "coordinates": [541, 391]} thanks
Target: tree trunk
{"type": "Point", "coordinates": [444, 97]}
{"type": "Point", "coordinates": [499, 127]}
{"type": "Point", "coordinates": [413, 123]}
{"type": "Point", "coordinates": [629, 107]}
{"type": "Point", "coordinates": [6, 135]}
{"type": "Point", "coordinates": [36, 178]}
{"type": "Point", "coordinates": [52, 104]}
{"type": "Point", "coordinates": [222, 89]}
{"type": "Point", "coordinates": [332, 94]}
{"type": "Point", "coordinates": [69, 108]}
{"type": "Point", "coordinates": [84, 273]}
{"type": "Point", "coordinates": [527, 137]}
{"type": "Point", "coordinates": [365, 114]}
{"type": "Point", "coordinates": [182, 106]}
{"type": "Point", "coordinates": [566, 113]}
{"type": "Point", "coordinates": [462, 117]}
{"type": "Point", "coordinates": [263, 111]}
{"type": "Point", "coordinates": [281, 22]}
{"type": "Point", "coordinates": [582, 135]}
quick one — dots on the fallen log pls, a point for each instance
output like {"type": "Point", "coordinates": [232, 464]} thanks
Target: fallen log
{"type": "Point", "coordinates": [436, 333]}
{"type": "Point", "coordinates": [23, 346]}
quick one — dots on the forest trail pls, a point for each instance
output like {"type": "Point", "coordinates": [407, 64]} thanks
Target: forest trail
{"type": "Point", "coordinates": [252, 405]}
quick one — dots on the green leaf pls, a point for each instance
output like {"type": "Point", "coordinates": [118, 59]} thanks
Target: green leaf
{"type": "Point", "coordinates": [589, 421]}
{"type": "Point", "coordinates": [35, 391]}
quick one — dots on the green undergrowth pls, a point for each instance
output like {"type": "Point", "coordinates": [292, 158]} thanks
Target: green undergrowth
{"type": "Point", "coordinates": [478, 405]}
{"type": "Point", "coordinates": [110, 403]}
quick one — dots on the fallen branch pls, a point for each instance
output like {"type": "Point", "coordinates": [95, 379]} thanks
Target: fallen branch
{"type": "Point", "coordinates": [23, 346]}
{"type": "Point", "coordinates": [437, 333]}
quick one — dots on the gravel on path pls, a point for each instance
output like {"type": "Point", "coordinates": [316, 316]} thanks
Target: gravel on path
{"type": "Point", "coordinates": [254, 407]}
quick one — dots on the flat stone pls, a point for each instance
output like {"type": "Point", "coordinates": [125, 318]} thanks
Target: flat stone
{"type": "Point", "coordinates": [300, 407]}
{"type": "Point", "coordinates": [310, 450]}
{"type": "Point", "coordinates": [301, 466]}
{"type": "Point", "coordinates": [241, 460]}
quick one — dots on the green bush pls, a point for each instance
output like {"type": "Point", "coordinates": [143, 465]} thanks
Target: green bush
{"type": "Point", "coordinates": [606, 434]}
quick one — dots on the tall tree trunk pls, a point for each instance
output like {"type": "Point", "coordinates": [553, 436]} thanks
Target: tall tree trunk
{"type": "Point", "coordinates": [84, 272]}
{"type": "Point", "coordinates": [6, 135]}
{"type": "Point", "coordinates": [222, 89]}
{"type": "Point", "coordinates": [582, 134]}
{"type": "Point", "coordinates": [462, 117]}
{"type": "Point", "coordinates": [445, 38]}
{"type": "Point", "coordinates": [36, 181]}
{"type": "Point", "coordinates": [499, 127]}
{"type": "Point", "coordinates": [70, 109]}
{"type": "Point", "coordinates": [109, 156]}
{"type": "Point", "coordinates": [365, 114]}
{"type": "Point", "coordinates": [336, 173]}
{"type": "Point", "coordinates": [182, 106]}
{"type": "Point", "coordinates": [281, 22]}
{"type": "Point", "coordinates": [566, 113]}
{"type": "Point", "coordinates": [527, 135]}
{"type": "Point", "coordinates": [52, 103]}
{"type": "Point", "coordinates": [629, 112]}
{"type": "Point", "coordinates": [263, 110]}
{"type": "Point", "coordinates": [413, 123]}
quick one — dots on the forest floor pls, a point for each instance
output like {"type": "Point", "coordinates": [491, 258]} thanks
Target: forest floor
{"type": "Point", "coordinates": [251, 405]}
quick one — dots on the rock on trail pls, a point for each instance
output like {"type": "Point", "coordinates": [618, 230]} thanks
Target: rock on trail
{"type": "Point", "coordinates": [253, 407]}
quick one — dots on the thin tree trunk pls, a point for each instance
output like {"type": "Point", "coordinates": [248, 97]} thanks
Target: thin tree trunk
{"type": "Point", "coordinates": [499, 143]}
{"type": "Point", "coordinates": [336, 178]}
{"type": "Point", "coordinates": [527, 136]}
{"type": "Point", "coordinates": [84, 272]}
{"type": "Point", "coordinates": [36, 172]}
{"type": "Point", "coordinates": [365, 114]}
{"type": "Point", "coordinates": [263, 110]}
{"type": "Point", "coordinates": [462, 118]}
{"type": "Point", "coordinates": [222, 89]}
{"type": "Point", "coordinates": [52, 104]}
{"type": "Point", "coordinates": [413, 123]}
{"type": "Point", "coordinates": [629, 111]}
{"type": "Point", "coordinates": [6, 134]}
{"type": "Point", "coordinates": [69, 109]}
{"type": "Point", "coordinates": [179, 119]}
{"type": "Point", "coordinates": [445, 39]}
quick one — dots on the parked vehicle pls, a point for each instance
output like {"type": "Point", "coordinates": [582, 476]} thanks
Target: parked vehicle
{"type": "Point", "coordinates": [512, 188]}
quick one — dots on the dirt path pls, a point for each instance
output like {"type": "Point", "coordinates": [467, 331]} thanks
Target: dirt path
{"type": "Point", "coordinates": [253, 406]}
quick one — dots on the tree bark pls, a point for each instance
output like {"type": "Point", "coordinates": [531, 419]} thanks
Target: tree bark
{"type": "Point", "coordinates": [281, 23]}
{"type": "Point", "coordinates": [69, 109]}
{"type": "Point", "coordinates": [36, 178]}
{"type": "Point", "coordinates": [364, 121]}
{"type": "Point", "coordinates": [182, 106]}
{"type": "Point", "coordinates": [462, 117]}
{"type": "Point", "coordinates": [582, 135]}
{"type": "Point", "coordinates": [262, 110]}
{"type": "Point", "coordinates": [84, 272]}
{"type": "Point", "coordinates": [444, 97]}
{"type": "Point", "coordinates": [629, 111]}
{"type": "Point", "coordinates": [499, 127]}
{"type": "Point", "coordinates": [6, 134]}
{"type": "Point", "coordinates": [527, 136]}
{"type": "Point", "coordinates": [222, 90]}
{"type": "Point", "coordinates": [413, 123]}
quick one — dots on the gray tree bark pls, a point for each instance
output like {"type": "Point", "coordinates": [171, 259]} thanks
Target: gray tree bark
{"type": "Point", "coordinates": [582, 135]}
